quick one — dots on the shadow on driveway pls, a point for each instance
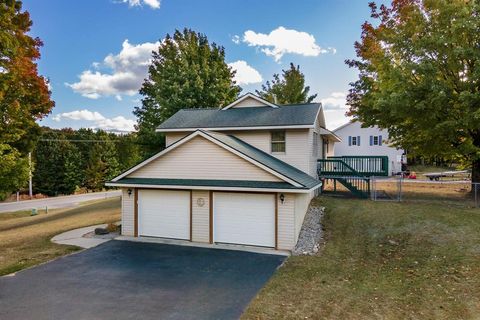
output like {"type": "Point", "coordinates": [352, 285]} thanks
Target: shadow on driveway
{"type": "Point", "coordinates": [131, 280]}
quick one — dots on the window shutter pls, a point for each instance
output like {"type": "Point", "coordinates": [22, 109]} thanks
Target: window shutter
{"type": "Point", "coordinates": [379, 140]}
{"type": "Point", "coordinates": [371, 140]}
{"type": "Point", "coordinates": [358, 140]}
{"type": "Point", "coordinates": [349, 140]}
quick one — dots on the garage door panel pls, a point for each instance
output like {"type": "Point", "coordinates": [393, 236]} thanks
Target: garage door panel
{"type": "Point", "coordinates": [164, 213]}
{"type": "Point", "coordinates": [242, 218]}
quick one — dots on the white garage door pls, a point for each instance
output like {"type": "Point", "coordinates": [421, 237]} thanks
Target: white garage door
{"type": "Point", "coordinates": [244, 218]}
{"type": "Point", "coordinates": [164, 214]}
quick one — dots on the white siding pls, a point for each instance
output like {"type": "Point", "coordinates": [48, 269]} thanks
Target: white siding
{"type": "Point", "coordinates": [128, 218]}
{"type": "Point", "coordinates": [200, 216]}
{"type": "Point", "coordinates": [286, 222]}
{"type": "Point", "coordinates": [365, 149]}
{"type": "Point", "coordinates": [202, 159]}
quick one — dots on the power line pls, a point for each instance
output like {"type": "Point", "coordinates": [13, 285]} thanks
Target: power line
{"type": "Point", "coordinates": [78, 140]}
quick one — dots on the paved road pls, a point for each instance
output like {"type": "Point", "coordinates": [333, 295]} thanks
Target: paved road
{"type": "Point", "coordinates": [129, 280]}
{"type": "Point", "coordinates": [57, 202]}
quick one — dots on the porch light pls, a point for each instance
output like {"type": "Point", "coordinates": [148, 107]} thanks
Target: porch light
{"type": "Point", "coordinates": [282, 198]}
{"type": "Point", "coordinates": [129, 191]}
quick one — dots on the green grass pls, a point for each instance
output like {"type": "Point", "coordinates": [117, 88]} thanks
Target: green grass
{"type": "Point", "coordinates": [25, 240]}
{"type": "Point", "coordinates": [382, 260]}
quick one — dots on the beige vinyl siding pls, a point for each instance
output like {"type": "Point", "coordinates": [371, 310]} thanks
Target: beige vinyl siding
{"type": "Point", "coordinates": [297, 151]}
{"type": "Point", "coordinates": [173, 137]}
{"type": "Point", "coordinates": [200, 216]}
{"type": "Point", "coordinates": [302, 201]}
{"type": "Point", "coordinates": [286, 222]}
{"type": "Point", "coordinates": [128, 203]}
{"type": "Point", "coordinates": [202, 159]}
{"type": "Point", "coordinates": [248, 102]}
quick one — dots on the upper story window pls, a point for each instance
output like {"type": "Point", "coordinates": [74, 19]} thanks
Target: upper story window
{"type": "Point", "coordinates": [278, 141]}
{"type": "Point", "coordinates": [353, 140]}
{"type": "Point", "coordinates": [375, 140]}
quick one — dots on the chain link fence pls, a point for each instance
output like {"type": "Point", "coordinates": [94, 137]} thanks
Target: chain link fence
{"type": "Point", "coordinates": [399, 189]}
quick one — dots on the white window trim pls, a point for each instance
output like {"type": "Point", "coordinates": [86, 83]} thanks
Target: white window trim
{"type": "Point", "coordinates": [279, 141]}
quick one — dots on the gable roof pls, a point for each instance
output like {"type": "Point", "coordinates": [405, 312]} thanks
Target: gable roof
{"type": "Point", "coordinates": [344, 125]}
{"type": "Point", "coordinates": [296, 178]}
{"type": "Point", "coordinates": [249, 95]}
{"type": "Point", "coordinates": [285, 116]}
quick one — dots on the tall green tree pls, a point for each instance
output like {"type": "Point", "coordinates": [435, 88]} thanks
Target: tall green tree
{"type": "Point", "coordinates": [290, 88]}
{"type": "Point", "coordinates": [24, 94]}
{"type": "Point", "coordinates": [419, 77]}
{"type": "Point", "coordinates": [57, 169]}
{"type": "Point", "coordinates": [187, 71]}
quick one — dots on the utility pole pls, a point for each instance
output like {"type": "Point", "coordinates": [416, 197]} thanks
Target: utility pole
{"type": "Point", "coordinates": [30, 193]}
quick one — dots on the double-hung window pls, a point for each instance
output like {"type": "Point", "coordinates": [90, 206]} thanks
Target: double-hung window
{"type": "Point", "coordinates": [353, 140]}
{"type": "Point", "coordinates": [278, 141]}
{"type": "Point", "coordinates": [375, 140]}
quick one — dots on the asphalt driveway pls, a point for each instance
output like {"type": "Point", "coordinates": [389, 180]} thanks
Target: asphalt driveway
{"type": "Point", "coordinates": [131, 280]}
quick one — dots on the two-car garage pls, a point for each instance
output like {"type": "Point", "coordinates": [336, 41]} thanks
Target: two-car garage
{"type": "Point", "coordinates": [233, 217]}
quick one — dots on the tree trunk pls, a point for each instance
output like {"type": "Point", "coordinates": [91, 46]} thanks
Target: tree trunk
{"type": "Point", "coordinates": [475, 174]}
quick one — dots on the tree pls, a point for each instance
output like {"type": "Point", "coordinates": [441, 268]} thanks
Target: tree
{"type": "Point", "coordinates": [24, 94]}
{"type": "Point", "coordinates": [14, 170]}
{"type": "Point", "coordinates": [290, 89]}
{"type": "Point", "coordinates": [186, 72]}
{"type": "Point", "coordinates": [57, 169]}
{"type": "Point", "coordinates": [419, 77]}
{"type": "Point", "coordinates": [128, 151]}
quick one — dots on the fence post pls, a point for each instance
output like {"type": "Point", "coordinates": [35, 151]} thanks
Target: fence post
{"type": "Point", "coordinates": [400, 181]}
{"type": "Point", "coordinates": [476, 199]}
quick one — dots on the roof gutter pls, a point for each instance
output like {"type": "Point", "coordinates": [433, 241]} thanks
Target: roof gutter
{"type": "Point", "coordinates": [302, 126]}
{"type": "Point", "coordinates": [186, 187]}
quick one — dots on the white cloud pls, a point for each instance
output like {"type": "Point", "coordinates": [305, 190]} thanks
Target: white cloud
{"type": "Point", "coordinates": [236, 39]}
{"type": "Point", "coordinates": [282, 41]}
{"type": "Point", "coordinates": [154, 4]}
{"type": "Point", "coordinates": [336, 101]}
{"type": "Point", "coordinates": [128, 70]}
{"type": "Point", "coordinates": [335, 108]}
{"type": "Point", "coordinates": [245, 74]}
{"type": "Point", "coordinates": [119, 123]}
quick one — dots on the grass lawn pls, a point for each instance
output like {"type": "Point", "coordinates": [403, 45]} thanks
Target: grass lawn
{"type": "Point", "coordinates": [25, 239]}
{"type": "Point", "coordinates": [382, 260]}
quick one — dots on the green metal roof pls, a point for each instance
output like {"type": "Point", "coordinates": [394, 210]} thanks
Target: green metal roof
{"type": "Point", "coordinates": [266, 159]}
{"type": "Point", "coordinates": [286, 115]}
{"type": "Point", "coordinates": [206, 183]}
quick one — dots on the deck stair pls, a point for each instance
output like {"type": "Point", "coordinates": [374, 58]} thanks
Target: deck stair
{"type": "Point", "coordinates": [353, 172]}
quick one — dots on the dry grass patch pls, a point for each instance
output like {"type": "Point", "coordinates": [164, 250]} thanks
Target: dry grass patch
{"type": "Point", "coordinates": [25, 239]}
{"type": "Point", "coordinates": [382, 260]}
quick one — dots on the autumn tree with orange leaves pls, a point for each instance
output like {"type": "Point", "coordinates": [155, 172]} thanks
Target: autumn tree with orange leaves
{"type": "Point", "coordinates": [419, 77]}
{"type": "Point", "coordinates": [24, 95]}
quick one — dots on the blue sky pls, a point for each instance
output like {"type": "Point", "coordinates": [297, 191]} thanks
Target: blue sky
{"type": "Point", "coordinates": [96, 51]}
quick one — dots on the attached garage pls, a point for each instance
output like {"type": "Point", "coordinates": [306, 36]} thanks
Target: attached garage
{"type": "Point", "coordinates": [244, 218]}
{"type": "Point", "coordinates": [214, 188]}
{"type": "Point", "coordinates": [164, 214]}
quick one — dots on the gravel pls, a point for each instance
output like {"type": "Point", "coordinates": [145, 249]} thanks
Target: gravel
{"type": "Point", "coordinates": [311, 234]}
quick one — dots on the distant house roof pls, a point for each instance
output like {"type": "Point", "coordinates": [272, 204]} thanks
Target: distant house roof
{"type": "Point", "coordinates": [294, 178]}
{"type": "Point", "coordinates": [294, 115]}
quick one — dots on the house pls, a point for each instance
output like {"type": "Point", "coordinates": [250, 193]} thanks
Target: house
{"type": "Point", "coordinates": [371, 141]}
{"type": "Point", "coordinates": [243, 174]}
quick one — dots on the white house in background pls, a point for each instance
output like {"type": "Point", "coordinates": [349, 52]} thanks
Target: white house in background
{"type": "Point", "coordinates": [371, 141]}
{"type": "Point", "coordinates": [242, 174]}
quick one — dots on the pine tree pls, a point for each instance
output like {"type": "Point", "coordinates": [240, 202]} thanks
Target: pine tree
{"type": "Point", "coordinates": [288, 89]}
